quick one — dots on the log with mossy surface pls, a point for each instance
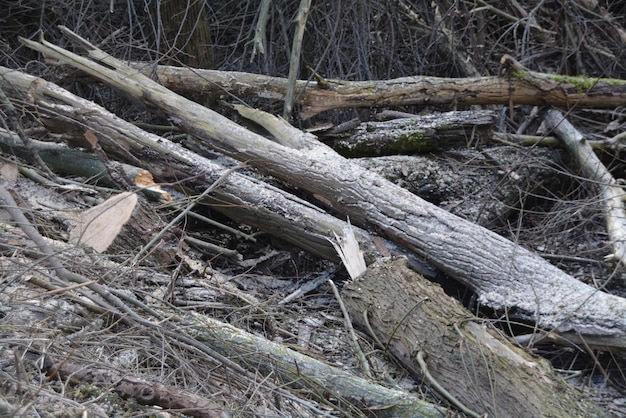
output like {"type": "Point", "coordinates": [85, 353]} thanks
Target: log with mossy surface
{"type": "Point", "coordinates": [519, 87]}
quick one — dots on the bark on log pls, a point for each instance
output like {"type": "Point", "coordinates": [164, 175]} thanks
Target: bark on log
{"type": "Point", "coordinates": [428, 133]}
{"type": "Point", "coordinates": [300, 371]}
{"type": "Point", "coordinates": [520, 88]}
{"type": "Point", "coordinates": [469, 358]}
{"type": "Point", "coordinates": [505, 275]}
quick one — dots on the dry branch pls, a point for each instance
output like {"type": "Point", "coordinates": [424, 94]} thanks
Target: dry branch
{"type": "Point", "coordinates": [300, 371]}
{"type": "Point", "coordinates": [520, 88]}
{"type": "Point", "coordinates": [144, 392]}
{"type": "Point", "coordinates": [506, 276]}
{"type": "Point", "coordinates": [612, 193]}
{"type": "Point", "coordinates": [294, 61]}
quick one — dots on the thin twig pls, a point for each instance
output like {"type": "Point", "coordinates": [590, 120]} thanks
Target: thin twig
{"type": "Point", "coordinates": [184, 212]}
{"type": "Point", "coordinates": [355, 342]}
{"type": "Point", "coordinates": [440, 389]}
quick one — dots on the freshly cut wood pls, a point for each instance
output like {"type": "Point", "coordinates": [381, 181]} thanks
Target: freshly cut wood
{"type": "Point", "coordinates": [428, 133]}
{"type": "Point", "coordinates": [316, 97]}
{"type": "Point", "coordinates": [465, 355]}
{"type": "Point", "coordinates": [98, 226]}
{"type": "Point", "coordinates": [506, 276]}
{"type": "Point", "coordinates": [612, 193]}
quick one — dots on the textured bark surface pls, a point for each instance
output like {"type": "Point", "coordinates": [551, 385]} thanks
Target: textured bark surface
{"type": "Point", "coordinates": [525, 88]}
{"type": "Point", "coordinates": [428, 133]}
{"type": "Point", "coordinates": [467, 356]}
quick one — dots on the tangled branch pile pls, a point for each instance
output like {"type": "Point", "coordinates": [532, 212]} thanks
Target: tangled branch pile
{"type": "Point", "coordinates": [234, 315]}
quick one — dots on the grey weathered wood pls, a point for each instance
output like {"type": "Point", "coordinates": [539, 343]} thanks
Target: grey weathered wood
{"type": "Point", "coordinates": [316, 97]}
{"type": "Point", "coordinates": [612, 193]}
{"type": "Point", "coordinates": [504, 275]}
{"type": "Point", "coordinates": [467, 356]}
{"type": "Point", "coordinates": [427, 133]}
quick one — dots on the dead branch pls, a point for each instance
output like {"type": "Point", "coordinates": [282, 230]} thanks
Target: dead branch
{"type": "Point", "coordinates": [296, 52]}
{"type": "Point", "coordinates": [612, 193]}
{"type": "Point", "coordinates": [300, 371]}
{"type": "Point", "coordinates": [144, 392]}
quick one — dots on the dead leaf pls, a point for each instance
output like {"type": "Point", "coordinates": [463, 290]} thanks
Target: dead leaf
{"type": "Point", "coordinates": [8, 173]}
{"type": "Point", "coordinates": [98, 227]}
{"type": "Point", "coordinates": [91, 138]}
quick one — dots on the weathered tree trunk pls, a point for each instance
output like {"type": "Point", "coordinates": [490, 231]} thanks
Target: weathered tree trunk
{"type": "Point", "coordinates": [316, 97]}
{"type": "Point", "coordinates": [429, 133]}
{"type": "Point", "coordinates": [184, 32]}
{"type": "Point", "coordinates": [464, 354]}
{"type": "Point", "coordinates": [501, 272]}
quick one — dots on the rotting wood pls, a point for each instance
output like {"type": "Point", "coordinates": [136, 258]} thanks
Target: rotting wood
{"type": "Point", "coordinates": [505, 275]}
{"type": "Point", "coordinates": [419, 134]}
{"type": "Point", "coordinates": [465, 355]}
{"type": "Point", "coordinates": [420, 90]}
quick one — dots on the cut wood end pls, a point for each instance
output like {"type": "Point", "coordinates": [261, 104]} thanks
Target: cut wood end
{"type": "Point", "coordinates": [348, 249]}
{"type": "Point", "coordinates": [144, 180]}
{"type": "Point", "coordinates": [99, 226]}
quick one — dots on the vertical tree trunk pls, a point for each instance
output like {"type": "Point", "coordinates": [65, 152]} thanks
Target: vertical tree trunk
{"type": "Point", "coordinates": [183, 32]}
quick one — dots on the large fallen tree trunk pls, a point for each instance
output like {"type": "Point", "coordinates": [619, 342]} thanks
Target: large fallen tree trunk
{"type": "Point", "coordinates": [461, 353]}
{"type": "Point", "coordinates": [316, 97]}
{"type": "Point", "coordinates": [506, 276]}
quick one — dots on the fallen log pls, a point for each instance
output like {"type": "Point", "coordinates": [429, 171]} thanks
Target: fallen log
{"type": "Point", "coordinates": [506, 276]}
{"type": "Point", "coordinates": [464, 355]}
{"type": "Point", "coordinates": [316, 97]}
{"type": "Point", "coordinates": [428, 133]}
